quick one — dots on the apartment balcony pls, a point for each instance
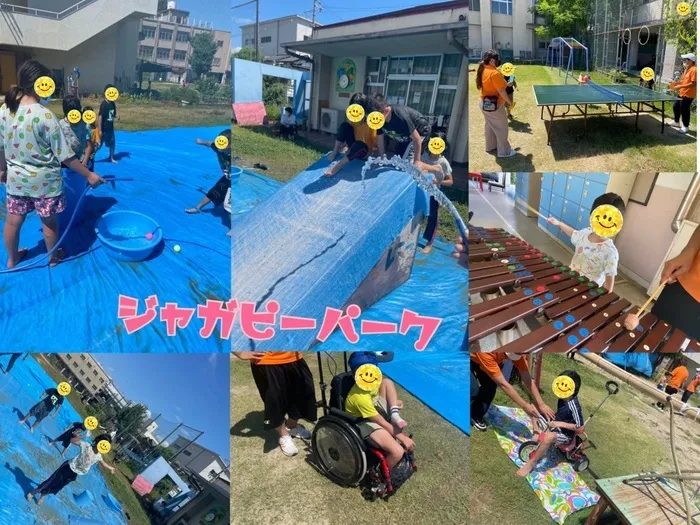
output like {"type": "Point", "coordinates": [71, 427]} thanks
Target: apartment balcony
{"type": "Point", "coordinates": [63, 25]}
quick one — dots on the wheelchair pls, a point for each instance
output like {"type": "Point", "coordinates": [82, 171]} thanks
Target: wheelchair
{"type": "Point", "coordinates": [340, 452]}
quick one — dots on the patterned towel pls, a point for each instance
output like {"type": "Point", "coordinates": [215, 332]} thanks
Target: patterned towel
{"type": "Point", "coordinates": [560, 489]}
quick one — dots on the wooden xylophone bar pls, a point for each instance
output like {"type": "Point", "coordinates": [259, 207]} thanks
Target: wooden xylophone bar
{"type": "Point", "coordinates": [580, 316]}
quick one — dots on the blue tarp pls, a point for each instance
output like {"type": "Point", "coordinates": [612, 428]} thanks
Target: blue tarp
{"type": "Point", "coordinates": [301, 278]}
{"type": "Point", "coordinates": [74, 306]}
{"type": "Point", "coordinates": [26, 459]}
{"type": "Point", "coordinates": [639, 361]}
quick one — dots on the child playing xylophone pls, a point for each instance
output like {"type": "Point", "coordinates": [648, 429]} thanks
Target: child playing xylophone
{"type": "Point", "coordinates": [595, 253]}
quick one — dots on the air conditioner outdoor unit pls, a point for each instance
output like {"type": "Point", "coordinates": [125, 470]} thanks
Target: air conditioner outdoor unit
{"type": "Point", "coordinates": [329, 120]}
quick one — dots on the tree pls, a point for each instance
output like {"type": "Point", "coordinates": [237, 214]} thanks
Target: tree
{"type": "Point", "coordinates": [248, 53]}
{"type": "Point", "coordinates": [681, 31]}
{"type": "Point", "coordinates": [131, 418]}
{"type": "Point", "coordinates": [203, 51]}
{"type": "Point", "coordinates": [562, 18]}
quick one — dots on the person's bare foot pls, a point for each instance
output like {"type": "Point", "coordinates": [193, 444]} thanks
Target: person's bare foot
{"type": "Point", "coordinates": [21, 254]}
{"type": "Point", "coordinates": [31, 429]}
{"type": "Point", "coordinates": [331, 156]}
{"type": "Point", "coordinates": [30, 496]}
{"type": "Point", "coordinates": [427, 249]}
{"type": "Point", "coordinates": [114, 161]}
{"type": "Point", "coordinates": [332, 170]}
{"type": "Point", "coordinates": [523, 471]}
{"type": "Point", "coordinates": [41, 499]}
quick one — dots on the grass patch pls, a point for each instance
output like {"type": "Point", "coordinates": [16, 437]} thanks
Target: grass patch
{"type": "Point", "coordinates": [608, 142]}
{"type": "Point", "coordinates": [148, 114]}
{"type": "Point", "coordinates": [119, 484]}
{"type": "Point", "coordinates": [434, 494]}
{"type": "Point", "coordinates": [623, 445]}
{"type": "Point", "coordinates": [286, 159]}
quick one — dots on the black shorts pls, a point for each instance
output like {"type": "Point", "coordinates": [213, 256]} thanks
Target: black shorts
{"type": "Point", "coordinates": [108, 138]}
{"type": "Point", "coordinates": [65, 438]}
{"type": "Point", "coordinates": [286, 390]}
{"type": "Point", "coordinates": [217, 193]}
{"type": "Point", "coordinates": [59, 479]}
{"type": "Point", "coordinates": [39, 411]}
{"type": "Point", "coordinates": [679, 309]}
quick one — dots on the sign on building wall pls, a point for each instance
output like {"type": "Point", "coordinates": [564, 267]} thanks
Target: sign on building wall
{"type": "Point", "coordinates": [345, 76]}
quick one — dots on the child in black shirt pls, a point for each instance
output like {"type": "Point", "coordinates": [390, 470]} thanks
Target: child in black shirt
{"type": "Point", "coordinates": [51, 400]}
{"type": "Point", "coordinates": [105, 124]}
{"type": "Point", "coordinates": [406, 126]}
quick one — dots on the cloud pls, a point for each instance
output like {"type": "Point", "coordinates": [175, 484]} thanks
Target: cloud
{"type": "Point", "coordinates": [178, 409]}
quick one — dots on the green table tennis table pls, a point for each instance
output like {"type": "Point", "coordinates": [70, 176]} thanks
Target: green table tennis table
{"type": "Point", "coordinates": [620, 99]}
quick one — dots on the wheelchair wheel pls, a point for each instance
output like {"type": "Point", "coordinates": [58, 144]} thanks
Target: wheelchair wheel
{"type": "Point", "coordinates": [339, 450]}
{"type": "Point", "coordinates": [581, 463]}
{"type": "Point", "coordinates": [526, 450]}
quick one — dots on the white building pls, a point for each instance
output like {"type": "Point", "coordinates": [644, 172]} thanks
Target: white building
{"type": "Point", "coordinates": [150, 432]}
{"type": "Point", "coordinates": [274, 33]}
{"type": "Point", "coordinates": [416, 57]}
{"type": "Point", "coordinates": [200, 460]}
{"type": "Point", "coordinates": [506, 26]}
{"type": "Point", "coordinates": [100, 37]}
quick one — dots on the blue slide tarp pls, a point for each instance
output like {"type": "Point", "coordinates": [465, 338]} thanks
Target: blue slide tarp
{"type": "Point", "coordinates": [639, 361]}
{"type": "Point", "coordinates": [26, 459]}
{"type": "Point", "coordinates": [74, 306]}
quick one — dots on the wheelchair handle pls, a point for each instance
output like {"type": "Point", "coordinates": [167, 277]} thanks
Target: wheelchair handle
{"type": "Point", "coordinates": [612, 387]}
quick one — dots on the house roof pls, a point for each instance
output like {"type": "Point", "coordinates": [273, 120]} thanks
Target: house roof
{"type": "Point", "coordinates": [284, 18]}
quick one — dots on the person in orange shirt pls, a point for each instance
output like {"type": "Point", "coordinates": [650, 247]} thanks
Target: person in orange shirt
{"type": "Point", "coordinates": [676, 378]}
{"type": "Point", "coordinates": [287, 389]}
{"type": "Point", "coordinates": [679, 302]}
{"type": "Point", "coordinates": [691, 388]}
{"type": "Point", "coordinates": [493, 101]}
{"type": "Point", "coordinates": [487, 378]}
{"type": "Point", "coordinates": [687, 90]}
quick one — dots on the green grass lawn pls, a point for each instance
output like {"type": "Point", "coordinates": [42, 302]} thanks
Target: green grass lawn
{"type": "Point", "coordinates": [272, 488]}
{"type": "Point", "coordinates": [609, 143]}
{"type": "Point", "coordinates": [624, 445]}
{"type": "Point", "coordinates": [119, 483]}
{"type": "Point", "coordinates": [150, 114]}
{"type": "Point", "coordinates": [286, 159]}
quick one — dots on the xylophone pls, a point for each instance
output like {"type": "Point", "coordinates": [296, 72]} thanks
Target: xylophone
{"type": "Point", "coordinates": [553, 308]}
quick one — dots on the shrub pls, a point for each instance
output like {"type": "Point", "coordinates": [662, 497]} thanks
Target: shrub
{"type": "Point", "coordinates": [273, 112]}
{"type": "Point", "coordinates": [188, 94]}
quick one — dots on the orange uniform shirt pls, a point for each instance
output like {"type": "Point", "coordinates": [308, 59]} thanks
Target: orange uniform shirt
{"type": "Point", "coordinates": [491, 81]}
{"type": "Point", "coordinates": [690, 76]}
{"type": "Point", "coordinates": [691, 280]}
{"type": "Point", "coordinates": [693, 385]}
{"type": "Point", "coordinates": [490, 362]}
{"type": "Point", "coordinates": [364, 133]}
{"type": "Point", "coordinates": [279, 358]}
{"type": "Point", "coordinates": [678, 377]}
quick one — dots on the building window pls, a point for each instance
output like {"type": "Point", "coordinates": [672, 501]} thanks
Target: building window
{"type": "Point", "coordinates": [219, 43]}
{"type": "Point", "coordinates": [102, 381]}
{"type": "Point", "coordinates": [307, 37]}
{"type": "Point", "coordinates": [376, 70]}
{"type": "Point", "coordinates": [75, 364]}
{"type": "Point", "coordinates": [503, 7]}
{"type": "Point", "coordinates": [212, 474]}
{"type": "Point", "coordinates": [149, 32]}
{"type": "Point", "coordinates": [89, 381]}
{"type": "Point", "coordinates": [182, 36]}
{"type": "Point", "coordinates": [82, 372]}
{"type": "Point", "coordinates": [396, 92]}
{"type": "Point", "coordinates": [401, 66]}
{"type": "Point", "coordinates": [266, 40]}
{"type": "Point", "coordinates": [68, 357]}
{"type": "Point", "coordinates": [248, 42]}
{"type": "Point", "coordinates": [475, 5]}
{"type": "Point", "coordinates": [180, 55]}
{"type": "Point", "coordinates": [215, 61]}
{"type": "Point", "coordinates": [165, 34]}
{"type": "Point", "coordinates": [444, 101]}
{"type": "Point", "coordinates": [94, 372]}
{"type": "Point", "coordinates": [145, 51]}
{"type": "Point", "coordinates": [82, 357]}
{"type": "Point", "coordinates": [163, 53]}
{"type": "Point", "coordinates": [187, 452]}
{"type": "Point", "coordinates": [420, 95]}
{"type": "Point", "coordinates": [451, 66]}
{"type": "Point", "coordinates": [89, 365]}
{"type": "Point", "coordinates": [426, 65]}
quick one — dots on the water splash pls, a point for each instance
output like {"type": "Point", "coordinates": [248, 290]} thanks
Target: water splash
{"type": "Point", "coordinates": [416, 174]}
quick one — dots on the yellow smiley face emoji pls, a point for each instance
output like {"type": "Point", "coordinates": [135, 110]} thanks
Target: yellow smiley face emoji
{"type": "Point", "coordinates": [368, 377]}
{"type": "Point", "coordinates": [104, 446]}
{"type": "Point", "coordinates": [563, 387]}
{"type": "Point", "coordinates": [63, 388]}
{"type": "Point", "coordinates": [221, 142]}
{"type": "Point", "coordinates": [507, 68]}
{"type": "Point", "coordinates": [74, 116]}
{"type": "Point", "coordinates": [375, 120]}
{"type": "Point", "coordinates": [355, 113]}
{"type": "Point", "coordinates": [606, 220]}
{"type": "Point", "coordinates": [683, 9]}
{"type": "Point", "coordinates": [647, 74]}
{"type": "Point", "coordinates": [111, 94]}
{"type": "Point", "coordinates": [44, 87]}
{"type": "Point", "coordinates": [89, 116]}
{"type": "Point", "coordinates": [436, 146]}
{"type": "Point", "coordinates": [90, 423]}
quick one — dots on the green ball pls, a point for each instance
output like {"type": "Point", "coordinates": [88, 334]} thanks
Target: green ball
{"type": "Point", "coordinates": [177, 248]}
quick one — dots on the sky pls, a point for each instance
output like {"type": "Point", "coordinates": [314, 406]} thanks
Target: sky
{"type": "Point", "coordinates": [333, 11]}
{"type": "Point", "coordinates": [216, 12]}
{"type": "Point", "coordinates": [188, 388]}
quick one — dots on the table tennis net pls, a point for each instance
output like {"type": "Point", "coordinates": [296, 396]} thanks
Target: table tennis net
{"type": "Point", "coordinates": [618, 97]}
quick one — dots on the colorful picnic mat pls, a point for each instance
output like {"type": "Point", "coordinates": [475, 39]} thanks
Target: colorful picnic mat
{"type": "Point", "coordinates": [560, 489]}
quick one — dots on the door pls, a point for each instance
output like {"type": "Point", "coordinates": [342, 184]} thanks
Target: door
{"type": "Point", "coordinates": [8, 71]}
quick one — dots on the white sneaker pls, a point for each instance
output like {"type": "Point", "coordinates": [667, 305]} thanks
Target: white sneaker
{"type": "Point", "coordinates": [300, 432]}
{"type": "Point", "coordinates": [511, 153]}
{"type": "Point", "coordinates": [287, 446]}
{"type": "Point", "coordinates": [682, 130]}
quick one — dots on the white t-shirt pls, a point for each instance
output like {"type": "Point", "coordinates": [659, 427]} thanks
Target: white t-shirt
{"type": "Point", "coordinates": [85, 459]}
{"type": "Point", "coordinates": [287, 120]}
{"type": "Point", "coordinates": [595, 260]}
{"type": "Point", "coordinates": [442, 162]}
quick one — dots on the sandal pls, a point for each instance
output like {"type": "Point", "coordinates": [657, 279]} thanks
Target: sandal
{"type": "Point", "coordinates": [57, 257]}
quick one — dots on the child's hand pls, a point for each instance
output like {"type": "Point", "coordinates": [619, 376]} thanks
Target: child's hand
{"type": "Point", "coordinates": [406, 441]}
{"type": "Point", "coordinates": [552, 220]}
{"type": "Point", "coordinates": [94, 180]}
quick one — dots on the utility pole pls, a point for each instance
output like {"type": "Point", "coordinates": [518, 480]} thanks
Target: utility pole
{"type": "Point", "coordinates": [317, 7]}
{"type": "Point", "coordinates": [257, 24]}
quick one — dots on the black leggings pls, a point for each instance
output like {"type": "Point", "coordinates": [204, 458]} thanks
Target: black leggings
{"type": "Point", "coordinates": [356, 148]}
{"type": "Point", "coordinates": [57, 481]}
{"type": "Point", "coordinates": [687, 395]}
{"type": "Point", "coordinates": [681, 109]}
{"type": "Point", "coordinates": [431, 227]}
{"type": "Point", "coordinates": [481, 403]}
{"type": "Point", "coordinates": [679, 309]}
{"type": "Point", "coordinates": [11, 363]}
